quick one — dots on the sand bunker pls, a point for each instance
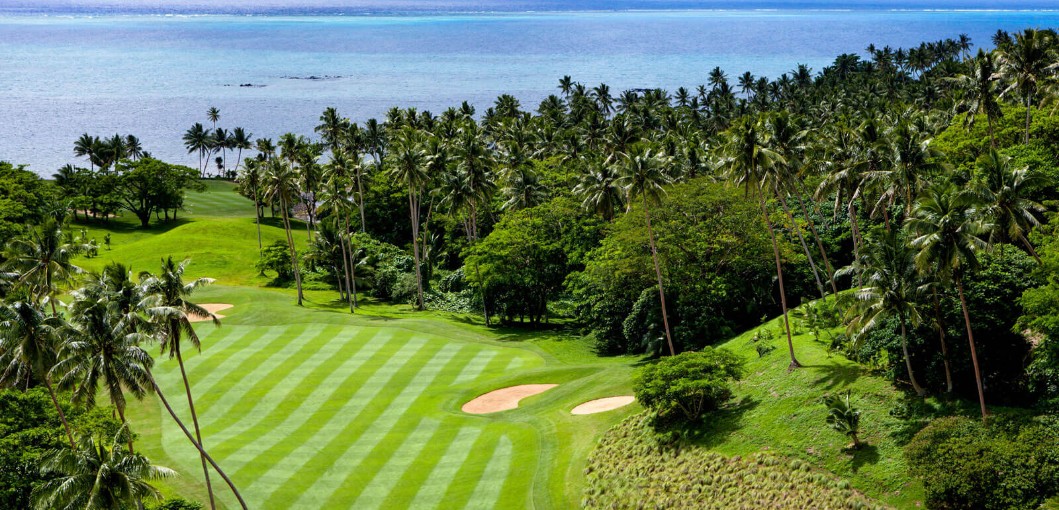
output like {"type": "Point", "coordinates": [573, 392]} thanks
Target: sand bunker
{"type": "Point", "coordinates": [603, 404]}
{"type": "Point", "coordinates": [504, 398]}
{"type": "Point", "coordinates": [212, 308]}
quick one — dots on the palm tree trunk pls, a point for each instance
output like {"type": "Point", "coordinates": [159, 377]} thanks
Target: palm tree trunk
{"type": "Point", "coordinates": [121, 413]}
{"type": "Point", "coordinates": [1026, 242]}
{"type": "Point", "coordinates": [257, 221]}
{"type": "Point", "coordinates": [481, 289]}
{"type": "Point", "coordinates": [820, 246]}
{"type": "Point", "coordinates": [779, 275]}
{"type": "Point", "coordinates": [856, 239]}
{"type": "Point", "coordinates": [345, 267]}
{"type": "Point", "coordinates": [658, 273]}
{"type": "Point", "coordinates": [989, 128]}
{"type": "Point", "coordinates": [974, 353]}
{"type": "Point", "coordinates": [941, 338]}
{"type": "Point", "coordinates": [293, 251]}
{"type": "Point", "coordinates": [196, 444]}
{"type": "Point", "coordinates": [908, 360]}
{"type": "Point", "coordinates": [1026, 137]}
{"type": "Point", "coordinates": [805, 247]}
{"type": "Point", "coordinates": [62, 415]}
{"type": "Point", "coordinates": [347, 255]}
{"type": "Point", "coordinates": [360, 196]}
{"type": "Point", "coordinates": [195, 421]}
{"type": "Point", "coordinates": [414, 216]}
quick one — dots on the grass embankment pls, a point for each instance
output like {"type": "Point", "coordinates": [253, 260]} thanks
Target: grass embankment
{"type": "Point", "coordinates": [310, 407]}
{"type": "Point", "coordinates": [631, 467]}
{"type": "Point", "coordinates": [777, 412]}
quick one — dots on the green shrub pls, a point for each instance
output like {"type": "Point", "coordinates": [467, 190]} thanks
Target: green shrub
{"type": "Point", "coordinates": [1007, 464]}
{"type": "Point", "coordinates": [685, 387]}
{"type": "Point", "coordinates": [177, 504]}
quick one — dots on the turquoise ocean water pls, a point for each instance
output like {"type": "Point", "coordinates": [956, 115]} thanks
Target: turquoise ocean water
{"type": "Point", "coordinates": [153, 74]}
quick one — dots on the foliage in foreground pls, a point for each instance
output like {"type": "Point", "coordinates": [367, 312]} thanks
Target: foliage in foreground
{"type": "Point", "coordinates": [1006, 464]}
{"type": "Point", "coordinates": [631, 469]}
{"type": "Point", "coordinates": [687, 386]}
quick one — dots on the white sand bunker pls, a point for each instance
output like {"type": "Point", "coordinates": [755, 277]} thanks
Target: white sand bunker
{"type": "Point", "coordinates": [603, 404]}
{"type": "Point", "coordinates": [504, 398]}
{"type": "Point", "coordinates": [212, 308]}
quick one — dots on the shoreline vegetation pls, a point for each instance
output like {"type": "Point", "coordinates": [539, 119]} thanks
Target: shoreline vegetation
{"type": "Point", "coordinates": [825, 289]}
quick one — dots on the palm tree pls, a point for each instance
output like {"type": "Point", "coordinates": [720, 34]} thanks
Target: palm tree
{"type": "Point", "coordinates": [601, 190]}
{"type": "Point", "coordinates": [335, 199]}
{"type": "Point", "coordinates": [240, 140]}
{"type": "Point", "coordinates": [748, 162]}
{"type": "Point", "coordinates": [29, 346]}
{"type": "Point", "coordinates": [644, 175]}
{"type": "Point", "coordinates": [105, 346]}
{"type": "Point", "coordinates": [42, 262]}
{"type": "Point", "coordinates": [842, 416]}
{"type": "Point", "coordinates": [1025, 65]}
{"type": "Point", "coordinates": [408, 162]}
{"type": "Point", "coordinates": [213, 115]}
{"type": "Point", "coordinates": [93, 476]}
{"type": "Point", "coordinates": [251, 178]}
{"type": "Point", "coordinates": [85, 147]}
{"type": "Point", "coordinates": [281, 184]}
{"type": "Point", "coordinates": [947, 231]}
{"type": "Point", "coordinates": [220, 141]}
{"type": "Point", "coordinates": [979, 92]}
{"type": "Point", "coordinates": [1005, 193]}
{"type": "Point", "coordinates": [133, 148]}
{"type": "Point", "coordinates": [197, 140]}
{"type": "Point", "coordinates": [168, 306]}
{"type": "Point", "coordinates": [891, 282]}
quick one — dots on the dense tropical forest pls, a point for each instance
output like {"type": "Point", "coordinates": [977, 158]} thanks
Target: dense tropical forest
{"type": "Point", "coordinates": [890, 214]}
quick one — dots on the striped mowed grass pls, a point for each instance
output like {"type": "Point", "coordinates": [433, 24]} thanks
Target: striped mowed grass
{"type": "Point", "coordinates": [333, 416]}
{"type": "Point", "coordinates": [311, 407]}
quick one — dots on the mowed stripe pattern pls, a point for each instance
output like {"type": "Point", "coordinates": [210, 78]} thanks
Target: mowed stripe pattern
{"type": "Point", "coordinates": [325, 416]}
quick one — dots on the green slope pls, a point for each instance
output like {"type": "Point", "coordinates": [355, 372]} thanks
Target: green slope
{"type": "Point", "coordinates": [309, 407]}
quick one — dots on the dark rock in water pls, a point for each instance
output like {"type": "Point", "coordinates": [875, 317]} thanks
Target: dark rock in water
{"type": "Point", "coordinates": [313, 77]}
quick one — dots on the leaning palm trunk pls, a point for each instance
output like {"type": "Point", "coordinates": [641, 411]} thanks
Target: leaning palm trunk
{"type": "Point", "coordinates": [658, 273]}
{"type": "Point", "coordinates": [347, 254]}
{"type": "Point", "coordinates": [293, 251]}
{"type": "Point", "coordinates": [941, 338]}
{"type": "Point", "coordinates": [1029, 247]}
{"type": "Point", "coordinates": [820, 246]}
{"type": "Point", "coordinates": [805, 247]}
{"type": "Point", "coordinates": [257, 221]}
{"type": "Point", "coordinates": [974, 354]}
{"type": "Point", "coordinates": [856, 238]}
{"type": "Point", "coordinates": [779, 275]}
{"type": "Point", "coordinates": [413, 212]}
{"type": "Point", "coordinates": [908, 360]}
{"type": "Point", "coordinates": [195, 422]}
{"type": "Point", "coordinates": [62, 415]}
{"type": "Point", "coordinates": [196, 444]}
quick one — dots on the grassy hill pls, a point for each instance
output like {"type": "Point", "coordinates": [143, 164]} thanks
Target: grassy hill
{"type": "Point", "coordinates": [310, 407]}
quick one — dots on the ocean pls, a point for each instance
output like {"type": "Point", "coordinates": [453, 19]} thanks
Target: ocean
{"type": "Point", "coordinates": [75, 68]}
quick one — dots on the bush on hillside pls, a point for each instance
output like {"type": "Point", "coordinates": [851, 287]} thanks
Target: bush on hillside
{"type": "Point", "coordinates": [1007, 464]}
{"type": "Point", "coordinates": [683, 388]}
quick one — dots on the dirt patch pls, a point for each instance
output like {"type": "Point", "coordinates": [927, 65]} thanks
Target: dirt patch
{"type": "Point", "coordinates": [212, 308]}
{"type": "Point", "coordinates": [504, 398]}
{"type": "Point", "coordinates": [603, 404]}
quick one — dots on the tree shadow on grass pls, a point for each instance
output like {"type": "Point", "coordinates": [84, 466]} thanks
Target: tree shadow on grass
{"type": "Point", "coordinates": [718, 425]}
{"type": "Point", "coordinates": [866, 454]}
{"type": "Point", "coordinates": [834, 375]}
